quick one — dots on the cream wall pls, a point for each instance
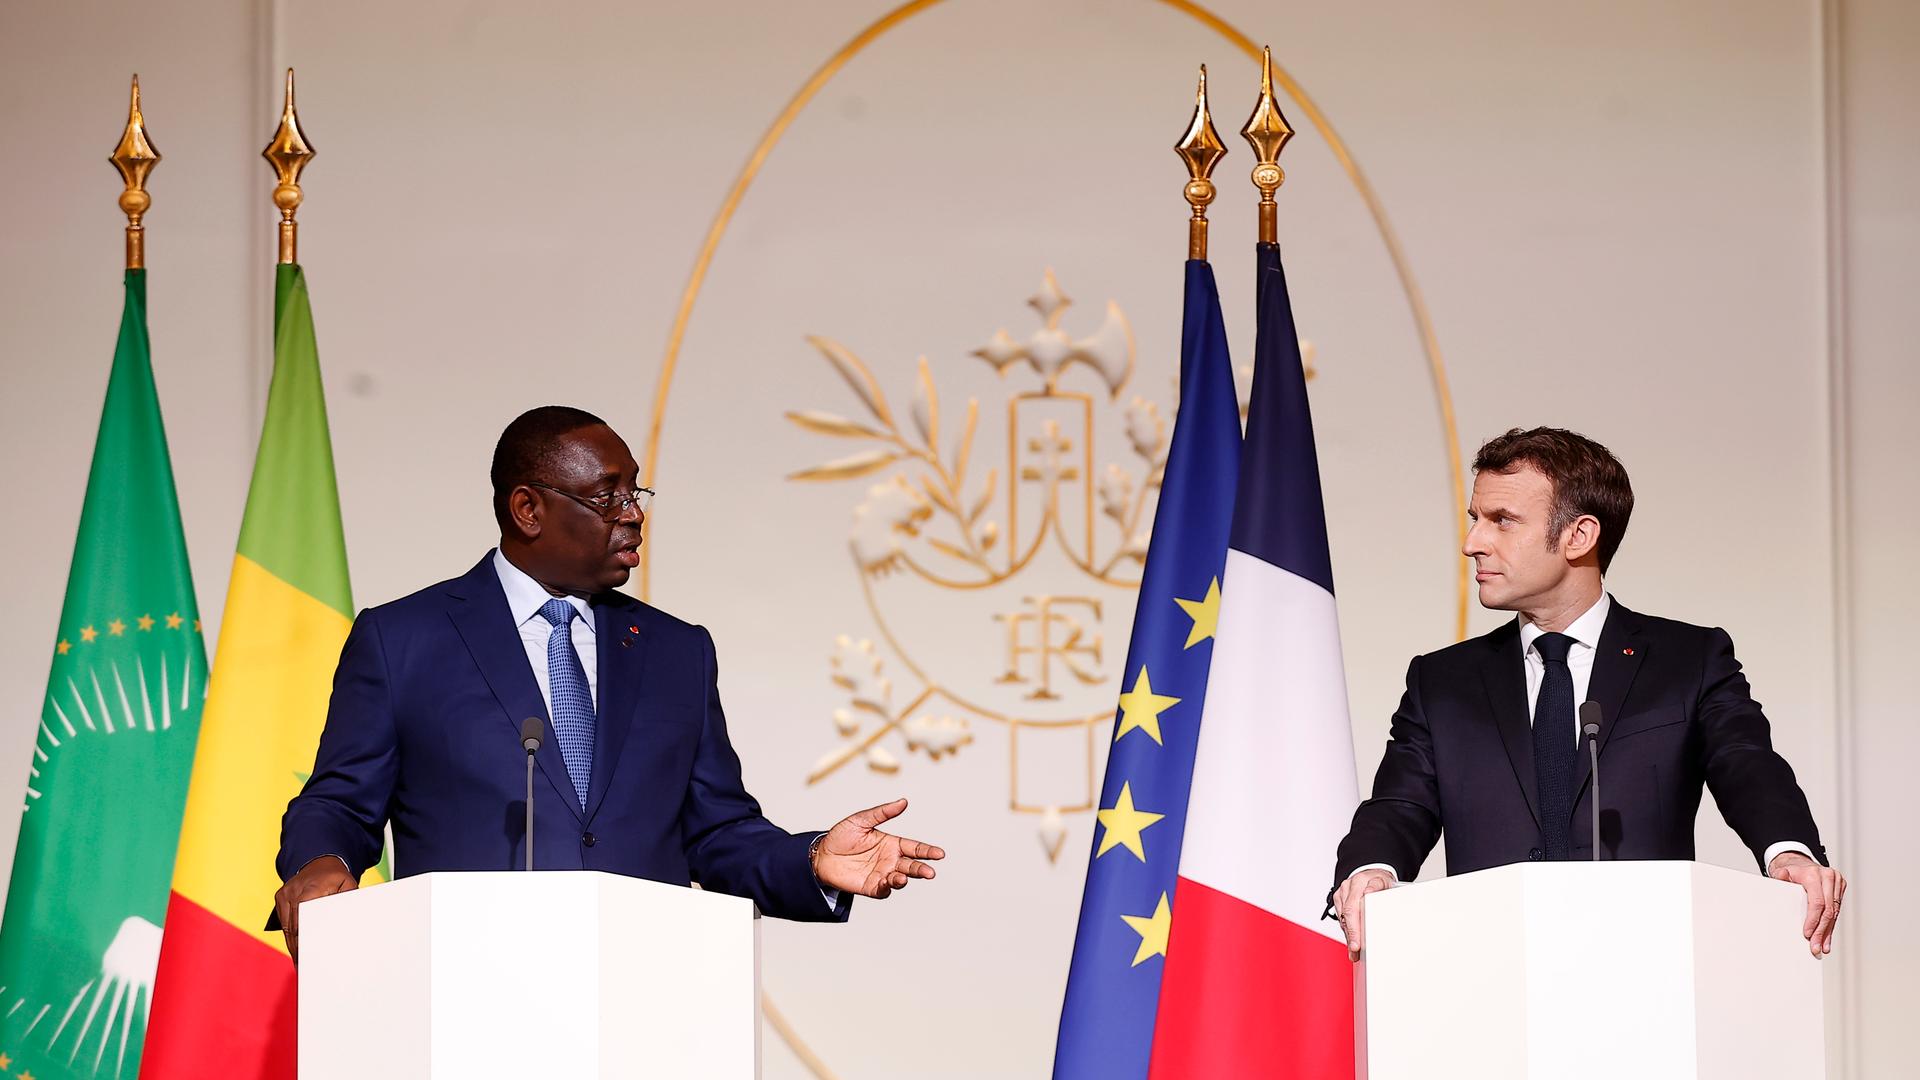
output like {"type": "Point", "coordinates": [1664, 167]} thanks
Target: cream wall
{"type": "Point", "coordinates": [1688, 230]}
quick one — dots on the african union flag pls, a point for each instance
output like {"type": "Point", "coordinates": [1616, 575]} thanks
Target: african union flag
{"type": "Point", "coordinates": [111, 756]}
{"type": "Point", "coordinates": [1107, 1021]}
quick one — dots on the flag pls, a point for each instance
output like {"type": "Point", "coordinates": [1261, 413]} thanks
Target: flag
{"type": "Point", "coordinates": [1257, 985]}
{"type": "Point", "coordinates": [108, 776]}
{"type": "Point", "coordinates": [1106, 1022]}
{"type": "Point", "coordinates": [224, 1003]}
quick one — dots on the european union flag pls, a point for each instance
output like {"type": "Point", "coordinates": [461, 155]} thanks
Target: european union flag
{"type": "Point", "coordinates": [1119, 951]}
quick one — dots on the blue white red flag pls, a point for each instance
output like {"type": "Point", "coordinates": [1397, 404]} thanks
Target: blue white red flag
{"type": "Point", "coordinates": [1255, 984]}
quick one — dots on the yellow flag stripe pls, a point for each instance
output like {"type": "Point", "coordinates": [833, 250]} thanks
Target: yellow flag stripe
{"type": "Point", "coordinates": [266, 704]}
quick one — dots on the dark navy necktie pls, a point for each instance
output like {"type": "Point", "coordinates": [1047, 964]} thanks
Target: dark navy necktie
{"type": "Point", "coordinates": [1553, 745]}
{"type": "Point", "coordinates": [570, 699]}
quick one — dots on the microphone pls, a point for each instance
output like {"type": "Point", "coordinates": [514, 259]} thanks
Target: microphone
{"type": "Point", "coordinates": [530, 731]}
{"type": "Point", "coordinates": [1590, 727]}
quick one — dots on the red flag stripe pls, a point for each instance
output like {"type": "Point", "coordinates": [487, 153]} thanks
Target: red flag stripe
{"type": "Point", "coordinates": [229, 1006]}
{"type": "Point", "coordinates": [1249, 994]}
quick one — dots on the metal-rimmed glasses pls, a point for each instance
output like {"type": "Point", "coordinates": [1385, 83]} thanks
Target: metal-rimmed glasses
{"type": "Point", "coordinates": [611, 505]}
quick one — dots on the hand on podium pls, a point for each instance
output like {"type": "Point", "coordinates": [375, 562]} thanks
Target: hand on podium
{"type": "Point", "coordinates": [1347, 903]}
{"type": "Point", "coordinates": [323, 876]}
{"type": "Point", "coordinates": [856, 857]}
{"type": "Point", "coordinates": [1825, 886]}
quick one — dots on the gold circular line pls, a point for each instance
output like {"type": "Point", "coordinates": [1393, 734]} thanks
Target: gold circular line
{"type": "Point", "coordinates": [775, 131]}
{"type": "Point", "coordinates": [719, 227]}
{"type": "Point", "coordinates": [1416, 300]}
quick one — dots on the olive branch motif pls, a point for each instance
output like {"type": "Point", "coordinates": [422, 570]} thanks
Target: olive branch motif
{"type": "Point", "coordinates": [903, 505]}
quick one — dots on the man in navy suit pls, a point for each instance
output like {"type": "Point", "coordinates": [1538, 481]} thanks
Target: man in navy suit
{"type": "Point", "coordinates": [636, 772]}
{"type": "Point", "coordinates": [1486, 745]}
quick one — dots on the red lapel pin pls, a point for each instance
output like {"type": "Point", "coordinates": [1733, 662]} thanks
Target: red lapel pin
{"type": "Point", "coordinates": [1626, 652]}
{"type": "Point", "coordinates": [633, 629]}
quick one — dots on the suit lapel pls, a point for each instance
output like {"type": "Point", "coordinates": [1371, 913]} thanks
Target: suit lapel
{"type": "Point", "coordinates": [481, 616]}
{"type": "Point", "coordinates": [620, 646]}
{"type": "Point", "coordinates": [1616, 661]}
{"type": "Point", "coordinates": [1504, 672]}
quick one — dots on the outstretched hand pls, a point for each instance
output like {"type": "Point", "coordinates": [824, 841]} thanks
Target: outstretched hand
{"type": "Point", "coordinates": [856, 857]}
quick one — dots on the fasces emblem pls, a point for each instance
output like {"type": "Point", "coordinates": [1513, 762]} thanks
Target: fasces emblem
{"type": "Point", "coordinates": [999, 554]}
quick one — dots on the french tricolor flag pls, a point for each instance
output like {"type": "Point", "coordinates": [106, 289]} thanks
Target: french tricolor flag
{"type": "Point", "coordinates": [1255, 983]}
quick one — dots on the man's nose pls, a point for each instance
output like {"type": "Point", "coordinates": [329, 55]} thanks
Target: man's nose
{"type": "Point", "coordinates": [1470, 545]}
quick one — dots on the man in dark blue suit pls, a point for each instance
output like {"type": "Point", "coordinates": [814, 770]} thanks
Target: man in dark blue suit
{"type": "Point", "coordinates": [1486, 745]}
{"type": "Point", "coordinates": [636, 773]}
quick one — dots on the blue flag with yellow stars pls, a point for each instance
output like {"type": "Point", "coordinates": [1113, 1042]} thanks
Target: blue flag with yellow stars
{"type": "Point", "coordinates": [1113, 986]}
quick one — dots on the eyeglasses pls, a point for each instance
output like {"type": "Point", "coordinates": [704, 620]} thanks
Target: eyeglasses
{"type": "Point", "coordinates": [611, 505]}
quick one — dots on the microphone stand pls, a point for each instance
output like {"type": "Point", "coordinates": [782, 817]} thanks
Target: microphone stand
{"type": "Point", "coordinates": [530, 732]}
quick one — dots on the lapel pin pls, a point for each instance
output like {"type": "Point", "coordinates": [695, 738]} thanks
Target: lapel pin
{"type": "Point", "coordinates": [1626, 652]}
{"type": "Point", "coordinates": [633, 629]}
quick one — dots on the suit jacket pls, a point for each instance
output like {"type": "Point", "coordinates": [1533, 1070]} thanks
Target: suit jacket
{"type": "Point", "coordinates": [1676, 715]}
{"type": "Point", "coordinates": [423, 732]}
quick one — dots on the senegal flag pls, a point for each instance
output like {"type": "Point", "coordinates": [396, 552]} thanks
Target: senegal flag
{"type": "Point", "coordinates": [111, 756]}
{"type": "Point", "coordinates": [224, 1004]}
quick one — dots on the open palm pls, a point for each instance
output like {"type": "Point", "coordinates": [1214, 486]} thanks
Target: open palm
{"type": "Point", "coordinates": [855, 856]}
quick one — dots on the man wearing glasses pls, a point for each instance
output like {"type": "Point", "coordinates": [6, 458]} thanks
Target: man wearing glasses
{"type": "Point", "coordinates": [639, 777]}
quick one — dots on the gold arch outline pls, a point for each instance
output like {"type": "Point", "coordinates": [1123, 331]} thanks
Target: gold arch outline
{"type": "Point", "coordinates": [1416, 302]}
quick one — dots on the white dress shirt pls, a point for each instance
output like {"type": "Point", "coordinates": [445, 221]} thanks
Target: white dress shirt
{"type": "Point", "coordinates": [525, 597]}
{"type": "Point", "coordinates": [1585, 632]}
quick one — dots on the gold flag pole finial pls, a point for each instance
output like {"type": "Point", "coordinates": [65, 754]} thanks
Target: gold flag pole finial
{"type": "Point", "coordinates": [1201, 149]}
{"type": "Point", "coordinates": [288, 153]}
{"type": "Point", "coordinates": [135, 157]}
{"type": "Point", "coordinates": [1267, 131]}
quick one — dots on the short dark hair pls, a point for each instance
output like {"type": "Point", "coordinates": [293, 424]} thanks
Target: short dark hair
{"type": "Point", "coordinates": [527, 446]}
{"type": "Point", "coordinates": [1586, 478]}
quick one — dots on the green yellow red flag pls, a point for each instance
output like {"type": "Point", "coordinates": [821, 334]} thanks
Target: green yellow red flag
{"type": "Point", "coordinates": [224, 999]}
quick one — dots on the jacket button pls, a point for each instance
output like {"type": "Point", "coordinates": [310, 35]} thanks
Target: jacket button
{"type": "Point", "coordinates": [1534, 855]}
{"type": "Point", "coordinates": [588, 840]}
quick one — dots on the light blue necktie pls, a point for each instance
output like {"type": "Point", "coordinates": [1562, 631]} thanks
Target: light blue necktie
{"type": "Point", "coordinates": [571, 700]}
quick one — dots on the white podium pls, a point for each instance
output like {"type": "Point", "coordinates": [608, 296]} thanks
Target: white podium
{"type": "Point", "coordinates": [1586, 970]}
{"type": "Point", "coordinates": [516, 975]}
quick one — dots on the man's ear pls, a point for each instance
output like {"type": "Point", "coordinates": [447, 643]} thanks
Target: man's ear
{"type": "Point", "coordinates": [1582, 538]}
{"type": "Point", "coordinates": [524, 510]}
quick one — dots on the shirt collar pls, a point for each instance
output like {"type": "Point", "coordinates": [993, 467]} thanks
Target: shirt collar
{"type": "Point", "coordinates": [526, 596]}
{"type": "Point", "coordinates": [1584, 630]}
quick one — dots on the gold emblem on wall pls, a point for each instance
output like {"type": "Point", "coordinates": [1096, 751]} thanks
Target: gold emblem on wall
{"type": "Point", "coordinates": [1029, 541]}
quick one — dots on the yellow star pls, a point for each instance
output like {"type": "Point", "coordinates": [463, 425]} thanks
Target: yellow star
{"type": "Point", "coordinates": [88, 633]}
{"type": "Point", "coordinates": [116, 628]}
{"type": "Point", "coordinates": [1152, 930]}
{"type": "Point", "coordinates": [5, 1063]}
{"type": "Point", "coordinates": [196, 626]}
{"type": "Point", "coordinates": [63, 648]}
{"type": "Point", "coordinates": [1140, 708]}
{"type": "Point", "coordinates": [1124, 825]}
{"type": "Point", "coordinates": [174, 621]}
{"type": "Point", "coordinates": [146, 622]}
{"type": "Point", "coordinates": [1204, 612]}
{"type": "Point", "coordinates": [25, 1075]}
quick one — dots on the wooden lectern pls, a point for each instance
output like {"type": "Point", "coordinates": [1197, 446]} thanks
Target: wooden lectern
{"type": "Point", "coordinates": [551, 973]}
{"type": "Point", "coordinates": [1577, 970]}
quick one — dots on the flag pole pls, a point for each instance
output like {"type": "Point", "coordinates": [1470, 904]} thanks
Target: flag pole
{"type": "Point", "coordinates": [288, 153]}
{"type": "Point", "coordinates": [135, 157]}
{"type": "Point", "coordinates": [1267, 131]}
{"type": "Point", "coordinates": [1201, 149]}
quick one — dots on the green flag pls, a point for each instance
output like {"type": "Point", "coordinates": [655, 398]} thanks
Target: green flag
{"type": "Point", "coordinates": [108, 776]}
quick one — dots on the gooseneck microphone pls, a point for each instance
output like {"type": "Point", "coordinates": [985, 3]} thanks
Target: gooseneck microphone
{"type": "Point", "coordinates": [1590, 727]}
{"type": "Point", "coordinates": [530, 730]}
